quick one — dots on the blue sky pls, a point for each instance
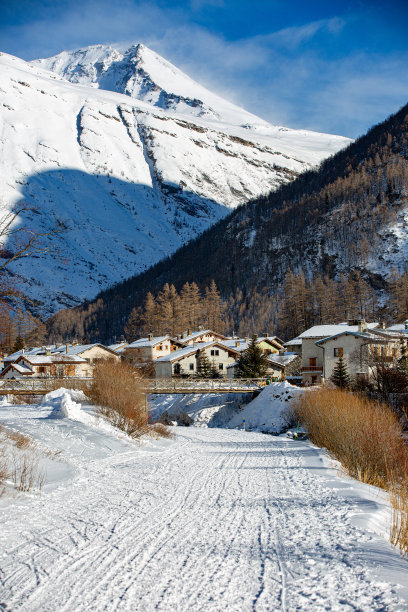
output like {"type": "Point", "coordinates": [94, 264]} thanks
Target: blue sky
{"type": "Point", "coordinates": [334, 66]}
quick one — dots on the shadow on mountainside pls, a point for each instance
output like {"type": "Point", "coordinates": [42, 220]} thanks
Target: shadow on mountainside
{"type": "Point", "coordinates": [114, 230]}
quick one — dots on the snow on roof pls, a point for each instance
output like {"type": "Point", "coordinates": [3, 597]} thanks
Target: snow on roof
{"type": "Point", "coordinates": [36, 350]}
{"type": "Point", "coordinates": [21, 368]}
{"type": "Point", "coordinates": [294, 342]}
{"type": "Point", "coordinates": [399, 327]}
{"type": "Point", "coordinates": [199, 333]}
{"type": "Point", "coordinates": [45, 359]}
{"type": "Point", "coordinates": [146, 342]}
{"type": "Point", "coordinates": [75, 349]}
{"type": "Point", "coordinates": [282, 360]}
{"type": "Point", "coordinates": [119, 346]}
{"type": "Point", "coordinates": [324, 331]}
{"type": "Point", "coordinates": [184, 352]}
{"type": "Point", "coordinates": [366, 335]}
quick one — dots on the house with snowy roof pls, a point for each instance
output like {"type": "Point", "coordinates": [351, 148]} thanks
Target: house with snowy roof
{"type": "Point", "coordinates": [147, 350]}
{"type": "Point", "coordinates": [92, 353]}
{"type": "Point", "coordinates": [46, 366]}
{"type": "Point", "coordinates": [184, 362]}
{"type": "Point", "coordinates": [361, 345]}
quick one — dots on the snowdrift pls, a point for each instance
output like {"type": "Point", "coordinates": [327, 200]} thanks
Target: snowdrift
{"type": "Point", "coordinates": [270, 411]}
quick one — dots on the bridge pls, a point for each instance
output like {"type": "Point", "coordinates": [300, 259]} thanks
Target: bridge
{"type": "Point", "coordinates": [41, 386]}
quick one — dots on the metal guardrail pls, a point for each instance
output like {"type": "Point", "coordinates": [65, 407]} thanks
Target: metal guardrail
{"type": "Point", "coordinates": [156, 385]}
{"type": "Point", "coordinates": [204, 385]}
{"type": "Point", "coordinates": [40, 384]}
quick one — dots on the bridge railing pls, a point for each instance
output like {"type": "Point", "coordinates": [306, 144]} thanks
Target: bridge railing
{"type": "Point", "coordinates": [48, 383]}
{"type": "Point", "coordinates": [155, 385]}
{"type": "Point", "coordinates": [160, 385]}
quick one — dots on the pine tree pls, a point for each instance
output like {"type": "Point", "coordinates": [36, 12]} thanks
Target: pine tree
{"type": "Point", "coordinates": [18, 344]}
{"type": "Point", "coordinates": [204, 367]}
{"type": "Point", "coordinates": [340, 376]}
{"type": "Point", "coordinates": [402, 365]}
{"type": "Point", "coordinates": [133, 324]}
{"type": "Point", "coordinates": [252, 363]}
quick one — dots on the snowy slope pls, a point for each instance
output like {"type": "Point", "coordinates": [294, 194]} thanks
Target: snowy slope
{"type": "Point", "coordinates": [215, 519]}
{"type": "Point", "coordinates": [131, 175]}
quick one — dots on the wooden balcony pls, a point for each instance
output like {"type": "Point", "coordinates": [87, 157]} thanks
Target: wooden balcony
{"type": "Point", "coordinates": [312, 368]}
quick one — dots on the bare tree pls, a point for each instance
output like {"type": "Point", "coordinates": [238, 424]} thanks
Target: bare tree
{"type": "Point", "coordinates": [18, 241]}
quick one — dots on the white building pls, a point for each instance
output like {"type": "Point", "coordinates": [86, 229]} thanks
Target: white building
{"type": "Point", "coordinates": [185, 360]}
{"type": "Point", "coordinates": [313, 354]}
{"type": "Point", "coordinates": [46, 366]}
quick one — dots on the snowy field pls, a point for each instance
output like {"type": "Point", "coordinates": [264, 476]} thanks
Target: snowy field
{"type": "Point", "coordinates": [215, 519]}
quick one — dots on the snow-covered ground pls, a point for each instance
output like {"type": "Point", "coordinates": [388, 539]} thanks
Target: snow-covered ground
{"type": "Point", "coordinates": [215, 519]}
{"type": "Point", "coordinates": [269, 412]}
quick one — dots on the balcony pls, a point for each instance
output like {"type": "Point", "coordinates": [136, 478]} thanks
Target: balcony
{"type": "Point", "coordinates": [312, 368]}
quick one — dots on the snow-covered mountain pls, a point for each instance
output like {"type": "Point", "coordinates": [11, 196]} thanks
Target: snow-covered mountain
{"type": "Point", "coordinates": [134, 157]}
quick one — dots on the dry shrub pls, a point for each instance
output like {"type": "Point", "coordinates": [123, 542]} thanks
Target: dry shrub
{"type": "Point", "coordinates": [118, 391]}
{"type": "Point", "coordinates": [160, 430]}
{"type": "Point", "coordinates": [25, 471]}
{"type": "Point", "coordinates": [20, 440]}
{"type": "Point", "coordinates": [366, 437]}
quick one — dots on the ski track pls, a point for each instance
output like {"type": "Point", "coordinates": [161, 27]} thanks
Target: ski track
{"type": "Point", "coordinates": [221, 520]}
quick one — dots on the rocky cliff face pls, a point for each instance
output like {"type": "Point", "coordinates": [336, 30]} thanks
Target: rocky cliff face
{"type": "Point", "coordinates": [134, 157]}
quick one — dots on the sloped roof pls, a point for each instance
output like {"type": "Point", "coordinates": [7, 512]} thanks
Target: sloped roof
{"type": "Point", "coordinates": [48, 359]}
{"type": "Point", "coordinates": [283, 360]}
{"type": "Point", "coordinates": [364, 335]}
{"type": "Point", "coordinates": [324, 331]}
{"type": "Point", "coordinates": [146, 342]}
{"type": "Point", "coordinates": [293, 342]}
{"type": "Point", "coordinates": [190, 350]}
{"type": "Point", "coordinates": [203, 332]}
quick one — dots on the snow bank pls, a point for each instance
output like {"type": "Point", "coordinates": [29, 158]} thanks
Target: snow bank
{"type": "Point", "coordinates": [204, 409]}
{"type": "Point", "coordinates": [269, 412]}
{"type": "Point", "coordinates": [64, 405]}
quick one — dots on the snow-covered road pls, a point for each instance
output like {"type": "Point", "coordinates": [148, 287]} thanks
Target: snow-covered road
{"type": "Point", "coordinates": [215, 520]}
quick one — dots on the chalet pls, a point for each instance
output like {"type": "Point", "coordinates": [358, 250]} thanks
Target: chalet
{"type": "Point", "coordinates": [185, 360]}
{"type": "Point", "coordinates": [92, 353]}
{"type": "Point", "coordinates": [150, 349]}
{"type": "Point", "coordinates": [45, 366]}
{"type": "Point", "coordinates": [312, 353]}
{"type": "Point", "coordinates": [361, 351]}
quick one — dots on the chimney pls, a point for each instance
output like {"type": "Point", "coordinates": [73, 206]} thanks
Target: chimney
{"type": "Point", "coordinates": [66, 349]}
{"type": "Point", "coordinates": [362, 326]}
{"type": "Point", "coordinates": [281, 351]}
{"type": "Point", "coordinates": [246, 340]}
{"type": "Point", "coordinates": [150, 337]}
{"type": "Point", "coordinates": [237, 342]}
{"type": "Point", "coordinates": [189, 332]}
{"type": "Point", "coordinates": [23, 350]}
{"type": "Point", "coordinates": [265, 335]}
{"type": "Point", "coordinates": [48, 351]}
{"type": "Point", "coordinates": [406, 324]}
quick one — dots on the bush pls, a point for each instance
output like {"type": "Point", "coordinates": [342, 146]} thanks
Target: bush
{"type": "Point", "coordinates": [118, 391]}
{"type": "Point", "coordinates": [366, 437]}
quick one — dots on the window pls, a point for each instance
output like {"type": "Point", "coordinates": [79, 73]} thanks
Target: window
{"type": "Point", "coordinates": [312, 361]}
{"type": "Point", "coordinates": [41, 370]}
{"type": "Point", "coordinates": [338, 351]}
{"type": "Point", "coordinates": [214, 352]}
{"type": "Point", "coordinates": [191, 366]}
{"type": "Point", "coordinates": [220, 366]}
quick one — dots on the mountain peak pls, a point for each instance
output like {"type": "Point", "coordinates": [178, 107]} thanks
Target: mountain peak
{"type": "Point", "coordinates": [143, 74]}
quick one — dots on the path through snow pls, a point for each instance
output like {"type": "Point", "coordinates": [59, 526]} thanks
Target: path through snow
{"type": "Point", "coordinates": [216, 520]}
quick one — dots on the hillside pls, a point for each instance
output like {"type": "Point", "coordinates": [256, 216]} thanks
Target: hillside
{"type": "Point", "coordinates": [132, 161]}
{"type": "Point", "coordinates": [348, 216]}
